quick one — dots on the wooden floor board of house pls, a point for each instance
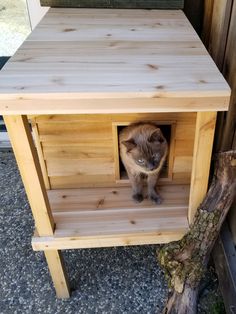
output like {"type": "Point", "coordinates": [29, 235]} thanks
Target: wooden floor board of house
{"type": "Point", "coordinates": [103, 217]}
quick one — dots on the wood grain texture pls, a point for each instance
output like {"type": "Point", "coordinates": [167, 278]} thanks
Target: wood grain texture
{"type": "Point", "coordinates": [82, 150]}
{"type": "Point", "coordinates": [29, 166]}
{"type": "Point", "coordinates": [58, 273]}
{"type": "Point", "coordinates": [38, 145]}
{"type": "Point", "coordinates": [109, 217]}
{"type": "Point", "coordinates": [204, 135]}
{"type": "Point", "coordinates": [115, 4]}
{"type": "Point", "coordinates": [112, 61]}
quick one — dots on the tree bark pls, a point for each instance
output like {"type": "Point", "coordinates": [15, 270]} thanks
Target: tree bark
{"type": "Point", "coordinates": [185, 261]}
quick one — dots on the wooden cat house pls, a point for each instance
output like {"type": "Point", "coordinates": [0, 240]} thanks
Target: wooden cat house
{"type": "Point", "coordinates": [79, 78]}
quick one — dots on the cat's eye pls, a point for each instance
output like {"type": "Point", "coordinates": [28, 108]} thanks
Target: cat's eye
{"type": "Point", "coordinates": [141, 161]}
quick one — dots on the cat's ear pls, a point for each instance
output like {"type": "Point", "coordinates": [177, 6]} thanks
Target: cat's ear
{"type": "Point", "coordinates": [130, 144]}
{"type": "Point", "coordinates": [156, 136]}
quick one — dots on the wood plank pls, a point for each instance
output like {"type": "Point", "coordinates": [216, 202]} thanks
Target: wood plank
{"type": "Point", "coordinates": [115, 61]}
{"type": "Point", "coordinates": [204, 135]}
{"type": "Point", "coordinates": [153, 103]}
{"type": "Point", "coordinates": [29, 166]}
{"type": "Point", "coordinates": [181, 117]}
{"type": "Point", "coordinates": [73, 182]}
{"type": "Point", "coordinates": [109, 217]}
{"type": "Point", "coordinates": [113, 198]}
{"type": "Point", "coordinates": [58, 273]}
{"type": "Point", "coordinates": [183, 164]}
{"type": "Point", "coordinates": [77, 150]}
{"type": "Point", "coordinates": [184, 147]}
{"type": "Point", "coordinates": [40, 154]}
{"type": "Point", "coordinates": [50, 243]}
{"type": "Point", "coordinates": [80, 167]}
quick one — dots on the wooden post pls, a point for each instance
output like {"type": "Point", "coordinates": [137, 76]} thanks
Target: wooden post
{"type": "Point", "coordinates": [28, 163]}
{"type": "Point", "coordinates": [204, 135]}
{"type": "Point", "coordinates": [58, 273]}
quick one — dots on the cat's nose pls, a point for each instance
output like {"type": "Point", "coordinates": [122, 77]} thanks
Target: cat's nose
{"type": "Point", "coordinates": [150, 166]}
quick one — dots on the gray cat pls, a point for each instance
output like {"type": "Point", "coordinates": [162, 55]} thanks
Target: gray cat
{"type": "Point", "coordinates": [143, 150]}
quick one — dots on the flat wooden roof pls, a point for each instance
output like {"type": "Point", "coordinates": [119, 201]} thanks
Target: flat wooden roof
{"type": "Point", "coordinates": [110, 61]}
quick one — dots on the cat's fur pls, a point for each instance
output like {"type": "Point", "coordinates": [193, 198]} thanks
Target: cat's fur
{"type": "Point", "coordinates": [143, 150]}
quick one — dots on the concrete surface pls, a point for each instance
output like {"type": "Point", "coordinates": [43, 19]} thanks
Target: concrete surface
{"type": "Point", "coordinates": [14, 25]}
{"type": "Point", "coordinates": [124, 280]}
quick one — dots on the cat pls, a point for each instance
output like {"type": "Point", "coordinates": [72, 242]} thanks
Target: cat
{"type": "Point", "coordinates": [143, 150]}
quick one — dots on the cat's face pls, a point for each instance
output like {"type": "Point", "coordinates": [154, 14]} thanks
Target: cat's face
{"type": "Point", "coordinates": [147, 149]}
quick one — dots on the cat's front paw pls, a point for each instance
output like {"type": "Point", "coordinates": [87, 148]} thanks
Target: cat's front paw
{"type": "Point", "coordinates": [138, 198]}
{"type": "Point", "coordinates": [156, 198]}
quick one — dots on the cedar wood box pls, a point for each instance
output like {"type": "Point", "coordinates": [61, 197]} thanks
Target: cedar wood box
{"type": "Point", "coordinates": [78, 79]}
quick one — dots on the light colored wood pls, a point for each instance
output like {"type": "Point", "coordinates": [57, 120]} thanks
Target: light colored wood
{"type": "Point", "coordinates": [118, 118]}
{"type": "Point", "coordinates": [184, 147]}
{"type": "Point", "coordinates": [80, 167]}
{"type": "Point", "coordinates": [100, 61]}
{"type": "Point", "coordinates": [29, 166]}
{"type": "Point", "coordinates": [204, 135]}
{"type": "Point", "coordinates": [62, 182]}
{"type": "Point", "coordinates": [109, 217]}
{"type": "Point", "coordinates": [183, 164]}
{"type": "Point", "coordinates": [82, 150]}
{"type": "Point", "coordinates": [40, 154]}
{"type": "Point", "coordinates": [160, 102]}
{"type": "Point", "coordinates": [58, 273]}
{"type": "Point", "coordinates": [50, 243]}
{"type": "Point", "coordinates": [94, 199]}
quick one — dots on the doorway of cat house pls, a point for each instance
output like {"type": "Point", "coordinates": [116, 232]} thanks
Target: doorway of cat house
{"type": "Point", "coordinates": [168, 130]}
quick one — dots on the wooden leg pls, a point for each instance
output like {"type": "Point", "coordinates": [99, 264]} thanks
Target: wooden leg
{"type": "Point", "coordinates": [58, 273]}
{"type": "Point", "coordinates": [29, 166]}
{"type": "Point", "coordinates": [28, 163]}
{"type": "Point", "coordinates": [204, 136]}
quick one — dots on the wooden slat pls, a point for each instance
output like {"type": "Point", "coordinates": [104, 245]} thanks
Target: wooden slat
{"type": "Point", "coordinates": [183, 164]}
{"type": "Point", "coordinates": [52, 243]}
{"type": "Point", "coordinates": [152, 103]}
{"type": "Point", "coordinates": [112, 61]}
{"type": "Point", "coordinates": [113, 198]}
{"type": "Point", "coordinates": [182, 117]}
{"type": "Point", "coordinates": [80, 167]}
{"type": "Point", "coordinates": [184, 147]}
{"type": "Point", "coordinates": [77, 150]}
{"type": "Point", "coordinates": [82, 150]}
{"type": "Point", "coordinates": [29, 166]}
{"type": "Point", "coordinates": [204, 135]}
{"type": "Point", "coordinates": [58, 273]}
{"type": "Point", "coordinates": [108, 216]}
{"type": "Point", "coordinates": [40, 154]}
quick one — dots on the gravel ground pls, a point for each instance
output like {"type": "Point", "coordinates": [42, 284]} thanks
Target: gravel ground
{"type": "Point", "coordinates": [113, 280]}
